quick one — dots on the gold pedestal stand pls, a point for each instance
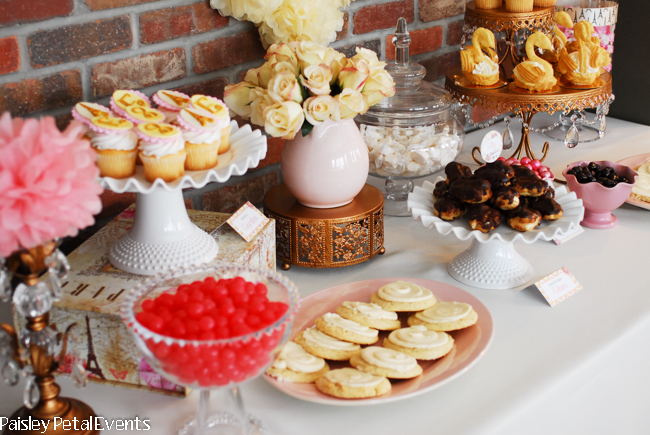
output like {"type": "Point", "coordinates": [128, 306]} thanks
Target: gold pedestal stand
{"type": "Point", "coordinates": [511, 98]}
{"type": "Point", "coordinates": [28, 265]}
{"type": "Point", "coordinates": [326, 237]}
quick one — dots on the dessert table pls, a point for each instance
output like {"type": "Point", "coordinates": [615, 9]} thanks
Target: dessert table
{"type": "Point", "coordinates": [577, 368]}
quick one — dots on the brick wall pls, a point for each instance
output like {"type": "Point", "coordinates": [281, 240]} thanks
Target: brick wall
{"type": "Point", "coordinates": [55, 53]}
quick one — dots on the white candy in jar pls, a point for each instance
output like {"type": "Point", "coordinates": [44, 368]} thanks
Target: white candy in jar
{"type": "Point", "coordinates": [409, 151]}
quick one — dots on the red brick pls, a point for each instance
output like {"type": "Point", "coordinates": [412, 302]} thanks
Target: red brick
{"type": "Point", "coordinates": [114, 203]}
{"type": "Point", "coordinates": [438, 66]}
{"type": "Point", "coordinates": [274, 150]}
{"type": "Point", "coordinates": [170, 23]}
{"type": "Point", "coordinates": [481, 115]}
{"type": "Point", "coordinates": [227, 51]}
{"type": "Point", "coordinates": [344, 31]}
{"type": "Point", "coordinates": [70, 43]}
{"type": "Point", "coordinates": [213, 88]}
{"type": "Point", "coordinates": [138, 72]}
{"type": "Point", "coordinates": [43, 93]}
{"type": "Point", "coordinates": [454, 32]}
{"type": "Point", "coordinates": [432, 10]}
{"type": "Point", "coordinates": [21, 11]}
{"type": "Point", "coordinates": [229, 198]}
{"type": "Point", "coordinates": [188, 204]}
{"type": "Point", "coordinates": [382, 16]}
{"type": "Point", "coordinates": [422, 41]}
{"type": "Point", "coordinates": [100, 5]}
{"type": "Point", "coordinates": [9, 55]}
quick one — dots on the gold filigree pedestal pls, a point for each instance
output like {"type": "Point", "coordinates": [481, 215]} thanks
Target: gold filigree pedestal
{"type": "Point", "coordinates": [330, 237]}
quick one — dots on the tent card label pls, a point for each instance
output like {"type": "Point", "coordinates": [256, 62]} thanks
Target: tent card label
{"type": "Point", "coordinates": [247, 221]}
{"type": "Point", "coordinates": [491, 146]}
{"type": "Point", "coordinates": [558, 286]}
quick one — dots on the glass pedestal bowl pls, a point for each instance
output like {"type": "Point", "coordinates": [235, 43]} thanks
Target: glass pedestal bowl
{"type": "Point", "coordinates": [212, 364]}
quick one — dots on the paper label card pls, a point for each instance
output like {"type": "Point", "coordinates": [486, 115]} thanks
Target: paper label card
{"type": "Point", "coordinates": [491, 146]}
{"type": "Point", "coordinates": [558, 286]}
{"type": "Point", "coordinates": [573, 232]}
{"type": "Point", "coordinates": [247, 221]}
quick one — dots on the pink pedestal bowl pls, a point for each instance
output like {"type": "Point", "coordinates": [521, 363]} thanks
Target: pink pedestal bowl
{"type": "Point", "coordinates": [598, 200]}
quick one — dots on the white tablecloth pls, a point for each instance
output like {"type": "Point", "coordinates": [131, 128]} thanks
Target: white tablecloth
{"type": "Point", "coordinates": [577, 368]}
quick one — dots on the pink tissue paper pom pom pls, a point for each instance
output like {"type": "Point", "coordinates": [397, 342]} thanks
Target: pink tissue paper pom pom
{"type": "Point", "coordinates": [48, 182]}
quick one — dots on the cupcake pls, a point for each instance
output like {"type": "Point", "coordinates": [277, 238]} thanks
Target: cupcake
{"type": "Point", "coordinates": [219, 109]}
{"type": "Point", "coordinates": [116, 145]}
{"type": "Point", "coordinates": [519, 5]}
{"type": "Point", "coordinates": [170, 103]}
{"type": "Point", "coordinates": [141, 115]}
{"type": "Point", "coordinates": [85, 112]}
{"type": "Point", "coordinates": [488, 4]}
{"type": "Point", "coordinates": [543, 3]}
{"type": "Point", "coordinates": [202, 133]}
{"type": "Point", "coordinates": [162, 151]}
{"type": "Point", "coordinates": [122, 99]}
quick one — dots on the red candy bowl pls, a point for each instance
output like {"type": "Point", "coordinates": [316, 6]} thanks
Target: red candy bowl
{"type": "Point", "coordinates": [598, 200]}
{"type": "Point", "coordinates": [211, 328]}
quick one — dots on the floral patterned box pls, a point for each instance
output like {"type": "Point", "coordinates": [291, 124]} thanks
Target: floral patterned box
{"type": "Point", "coordinates": [94, 291]}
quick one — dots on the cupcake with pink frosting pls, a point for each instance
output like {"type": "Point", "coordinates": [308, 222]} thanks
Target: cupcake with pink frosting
{"type": "Point", "coordinates": [219, 109]}
{"type": "Point", "coordinates": [170, 103]}
{"type": "Point", "coordinates": [162, 151]}
{"type": "Point", "coordinates": [116, 145]}
{"type": "Point", "coordinates": [202, 134]}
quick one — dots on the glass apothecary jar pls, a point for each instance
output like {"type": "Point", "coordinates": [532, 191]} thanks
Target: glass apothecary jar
{"type": "Point", "coordinates": [412, 134]}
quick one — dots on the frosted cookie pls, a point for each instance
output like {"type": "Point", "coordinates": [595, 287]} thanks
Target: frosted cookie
{"type": "Point", "coordinates": [381, 361]}
{"type": "Point", "coordinates": [403, 296]}
{"type": "Point", "coordinates": [419, 342]}
{"type": "Point", "coordinates": [324, 346]}
{"type": "Point", "coordinates": [371, 315]}
{"type": "Point", "coordinates": [122, 99]}
{"type": "Point", "coordinates": [336, 326]}
{"type": "Point", "coordinates": [170, 103]}
{"type": "Point", "coordinates": [350, 383]}
{"type": "Point", "coordinates": [294, 364]}
{"type": "Point", "coordinates": [219, 109]}
{"type": "Point", "coordinates": [445, 316]}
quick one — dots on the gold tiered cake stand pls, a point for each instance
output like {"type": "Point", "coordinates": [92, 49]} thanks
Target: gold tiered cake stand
{"type": "Point", "coordinates": [510, 98]}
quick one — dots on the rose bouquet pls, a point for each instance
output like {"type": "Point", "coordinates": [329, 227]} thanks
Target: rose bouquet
{"type": "Point", "coordinates": [303, 84]}
{"type": "Point", "coordinates": [288, 20]}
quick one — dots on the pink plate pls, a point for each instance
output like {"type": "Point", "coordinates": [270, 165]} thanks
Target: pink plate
{"type": "Point", "coordinates": [635, 162]}
{"type": "Point", "coordinates": [470, 344]}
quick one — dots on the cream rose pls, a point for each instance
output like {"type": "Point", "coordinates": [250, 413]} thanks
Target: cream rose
{"type": "Point", "coordinates": [283, 25]}
{"type": "Point", "coordinates": [284, 66]}
{"type": "Point", "coordinates": [283, 119]}
{"type": "Point", "coordinates": [318, 109]}
{"type": "Point", "coordinates": [251, 76]}
{"type": "Point", "coordinates": [354, 74]}
{"type": "Point", "coordinates": [336, 61]}
{"type": "Point", "coordinates": [371, 59]}
{"type": "Point", "coordinates": [351, 102]}
{"type": "Point", "coordinates": [316, 78]}
{"type": "Point", "coordinates": [249, 10]}
{"type": "Point", "coordinates": [309, 53]}
{"type": "Point", "coordinates": [237, 97]}
{"type": "Point", "coordinates": [284, 87]}
{"type": "Point", "coordinates": [264, 74]}
{"type": "Point", "coordinates": [281, 53]}
{"type": "Point", "coordinates": [258, 106]}
{"type": "Point", "coordinates": [379, 85]}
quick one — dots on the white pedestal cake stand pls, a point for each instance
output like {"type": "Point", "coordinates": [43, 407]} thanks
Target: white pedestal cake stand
{"type": "Point", "coordinates": [491, 261]}
{"type": "Point", "coordinates": [162, 236]}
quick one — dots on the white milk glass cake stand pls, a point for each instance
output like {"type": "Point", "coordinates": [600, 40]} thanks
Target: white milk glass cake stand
{"type": "Point", "coordinates": [491, 261]}
{"type": "Point", "coordinates": [162, 236]}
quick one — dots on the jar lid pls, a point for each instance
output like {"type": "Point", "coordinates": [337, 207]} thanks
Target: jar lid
{"type": "Point", "coordinates": [415, 102]}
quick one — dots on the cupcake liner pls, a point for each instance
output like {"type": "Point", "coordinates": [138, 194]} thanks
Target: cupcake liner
{"type": "Point", "coordinates": [189, 127]}
{"type": "Point", "coordinates": [79, 117]}
{"type": "Point", "coordinates": [160, 102]}
{"type": "Point", "coordinates": [543, 3]}
{"type": "Point", "coordinates": [116, 163]}
{"type": "Point", "coordinates": [202, 156]}
{"type": "Point", "coordinates": [117, 109]}
{"type": "Point", "coordinates": [161, 140]}
{"type": "Point", "coordinates": [488, 4]}
{"type": "Point", "coordinates": [168, 168]}
{"type": "Point", "coordinates": [519, 5]}
{"type": "Point", "coordinates": [225, 140]}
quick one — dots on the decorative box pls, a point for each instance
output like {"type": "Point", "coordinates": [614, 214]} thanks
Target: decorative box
{"type": "Point", "coordinates": [94, 291]}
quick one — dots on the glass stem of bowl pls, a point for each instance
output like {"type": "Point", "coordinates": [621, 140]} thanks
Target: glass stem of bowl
{"type": "Point", "coordinates": [398, 190]}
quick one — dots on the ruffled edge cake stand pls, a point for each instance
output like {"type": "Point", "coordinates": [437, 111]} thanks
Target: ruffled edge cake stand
{"type": "Point", "coordinates": [162, 236]}
{"type": "Point", "coordinates": [491, 261]}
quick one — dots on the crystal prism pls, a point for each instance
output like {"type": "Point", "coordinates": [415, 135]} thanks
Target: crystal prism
{"type": "Point", "coordinates": [602, 127]}
{"type": "Point", "coordinates": [33, 300]}
{"type": "Point", "coordinates": [58, 264]}
{"type": "Point", "coordinates": [571, 140]}
{"type": "Point", "coordinates": [5, 283]}
{"type": "Point", "coordinates": [32, 394]}
{"type": "Point", "coordinates": [11, 372]}
{"type": "Point", "coordinates": [44, 339]}
{"type": "Point", "coordinates": [28, 371]}
{"type": "Point", "coordinates": [508, 138]}
{"type": "Point", "coordinates": [79, 375]}
{"type": "Point", "coordinates": [55, 285]}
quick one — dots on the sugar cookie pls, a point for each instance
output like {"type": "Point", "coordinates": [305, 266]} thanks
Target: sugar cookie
{"type": "Point", "coordinates": [350, 383]}
{"type": "Point", "coordinates": [403, 296]}
{"type": "Point", "coordinates": [346, 330]}
{"type": "Point", "coordinates": [382, 361]}
{"type": "Point", "coordinates": [294, 364]}
{"type": "Point", "coordinates": [420, 343]}
{"type": "Point", "coordinates": [324, 346]}
{"type": "Point", "coordinates": [445, 316]}
{"type": "Point", "coordinates": [371, 315]}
